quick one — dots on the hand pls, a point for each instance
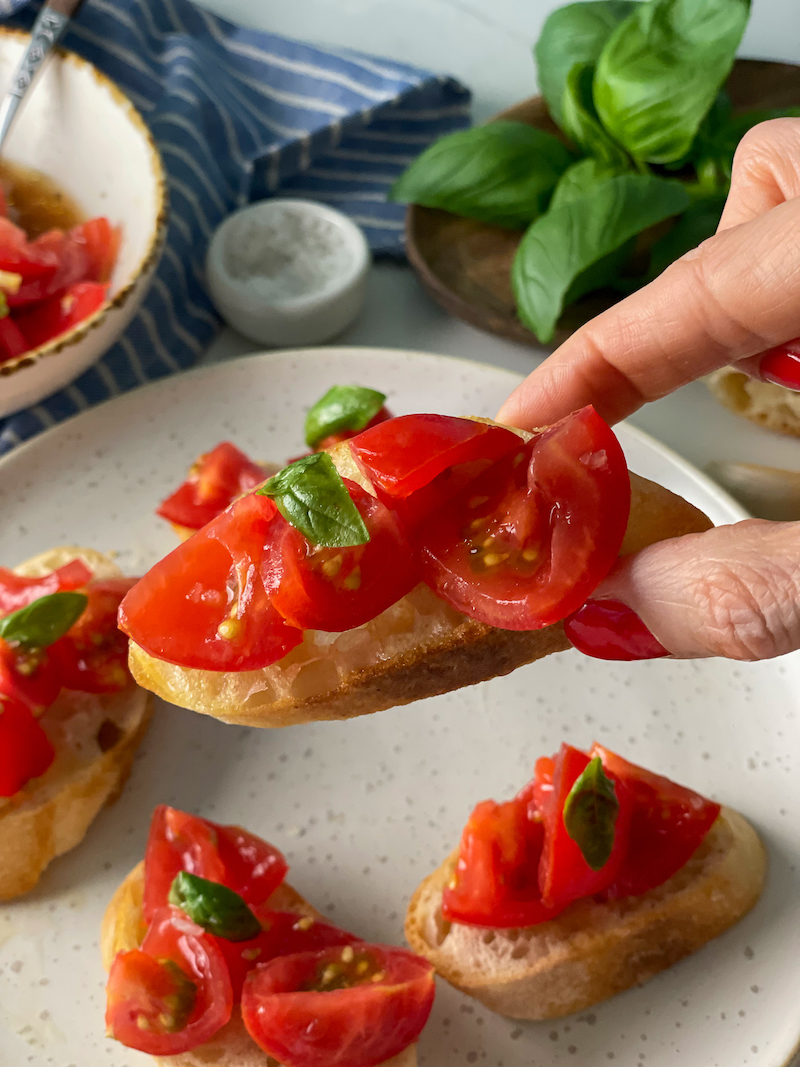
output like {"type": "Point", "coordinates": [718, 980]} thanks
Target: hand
{"type": "Point", "coordinates": [734, 591]}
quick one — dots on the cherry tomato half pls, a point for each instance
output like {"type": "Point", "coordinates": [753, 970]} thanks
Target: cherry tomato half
{"type": "Point", "coordinates": [206, 605]}
{"type": "Point", "coordinates": [216, 479]}
{"type": "Point", "coordinates": [31, 676]}
{"type": "Point", "coordinates": [19, 256]}
{"type": "Point", "coordinates": [93, 655]}
{"type": "Point", "coordinates": [171, 995]}
{"type": "Point", "coordinates": [54, 315]}
{"type": "Point", "coordinates": [17, 592]}
{"type": "Point", "coordinates": [101, 241]}
{"type": "Point", "coordinates": [25, 749]}
{"type": "Point", "coordinates": [336, 589]}
{"type": "Point", "coordinates": [526, 543]}
{"type": "Point", "coordinates": [342, 1007]}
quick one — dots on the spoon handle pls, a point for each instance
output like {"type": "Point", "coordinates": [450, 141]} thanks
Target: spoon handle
{"type": "Point", "coordinates": [46, 33]}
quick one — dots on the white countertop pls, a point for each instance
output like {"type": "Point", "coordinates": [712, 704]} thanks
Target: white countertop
{"type": "Point", "coordinates": [488, 48]}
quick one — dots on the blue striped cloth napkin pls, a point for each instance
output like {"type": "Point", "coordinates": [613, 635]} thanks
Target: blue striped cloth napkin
{"type": "Point", "coordinates": [239, 115]}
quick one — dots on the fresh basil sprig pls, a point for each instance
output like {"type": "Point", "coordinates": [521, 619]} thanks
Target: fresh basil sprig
{"type": "Point", "coordinates": [219, 910]}
{"type": "Point", "coordinates": [311, 495]}
{"type": "Point", "coordinates": [502, 173]}
{"type": "Point", "coordinates": [344, 407]}
{"type": "Point", "coordinates": [661, 69]}
{"type": "Point", "coordinates": [44, 621]}
{"type": "Point", "coordinates": [590, 814]}
{"type": "Point", "coordinates": [559, 249]}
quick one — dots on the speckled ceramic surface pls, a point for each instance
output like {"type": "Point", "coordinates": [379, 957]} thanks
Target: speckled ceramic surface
{"type": "Point", "coordinates": [364, 809]}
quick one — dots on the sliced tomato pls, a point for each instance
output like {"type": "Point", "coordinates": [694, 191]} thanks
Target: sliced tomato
{"type": "Point", "coordinates": [206, 605]}
{"type": "Point", "coordinates": [668, 825]}
{"type": "Point", "coordinates": [17, 591]}
{"type": "Point", "coordinates": [564, 875]}
{"type": "Point", "coordinates": [73, 263]}
{"type": "Point", "coordinates": [215, 480]}
{"type": "Point", "coordinates": [101, 241]}
{"type": "Point", "coordinates": [12, 340]}
{"type": "Point", "coordinates": [496, 879]}
{"type": "Point", "coordinates": [171, 995]}
{"type": "Point", "coordinates": [351, 1007]}
{"type": "Point", "coordinates": [93, 655]}
{"type": "Point", "coordinates": [30, 676]}
{"type": "Point", "coordinates": [284, 933]}
{"type": "Point", "coordinates": [179, 841]}
{"type": "Point", "coordinates": [336, 589]}
{"type": "Point", "coordinates": [345, 435]}
{"type": "Point", "coordinates": [25, 749]}
{"type": "Point", "coordinates": [59, 313]}
{"type": "Point", "coordinates": [526, 543]}
{"type": "Point", "coordinates": [19, 256]}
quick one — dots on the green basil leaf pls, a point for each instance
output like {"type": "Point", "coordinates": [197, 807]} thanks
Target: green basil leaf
{"type": "Point", "coordinates": [42, 622]}
{"type": "Point", "coordinates": [579, 178]}
{"type": "Point", "coordinates": [562, 245]}
{"type": "Point", "coordinates": [219, 910]}
{"type": "Point", "coordinates": [344, 407]}
{"type": "Point", "coordinates": [661, 69]}
{"type": "Point", "coordinates": [696, 225]}
{"type": "Point", "coordinates": [580, 122]}
{"type": "Point", "coordinates": [574, 34]}
{"type": "Point", "coordinates": [311, 495]}
{"type": "Point", "coordinates": [500, 173]}
{"type": "Point", "coordinates": [590, 814]}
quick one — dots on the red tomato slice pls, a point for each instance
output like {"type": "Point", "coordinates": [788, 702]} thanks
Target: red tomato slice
{"type": "Point", "coordinates": [206, 605]}
{"type": "Point", "coordinates": [526, 543]}
{"type": "Point", "coordinates": [564, 875]}
{"type": "Point", "coordinates": [171, 995]}
{"type": "Point", "coordinates": [496, 883]}
{"type": "Point", "coordinates": [226, 854]}
{"type": "Point", "coordinates": [19, 256]}
{"type": "Point", "coordinates": [101, 241]}
{"type": "Point", "coordinates": [405, 454]}
{"type": "Point", "coordinates": [668, 824]}
{"type": "Point", "coordinates": [59, 313]}
{"type": "Point", "coordinates": [17, 592]}
{"type": "Point", "coordinates": [216, 479]}
{"type": "Point", "coordinates": [25, 750]}
{"type": "Point", "coordinates": [73, 263]}
{"type": "Point", "coordinates": [326, 1009]}
{"type": "Point", "coordinates": [284, 934]}
{"type": "Point", "coordinates": [338, 588]}
{"type": "Point", "coordinates": [12, 340]}
{"type": "Point", "coordinates": [93, 655]}
{"type": "Point", "coordinates": [31, 677]}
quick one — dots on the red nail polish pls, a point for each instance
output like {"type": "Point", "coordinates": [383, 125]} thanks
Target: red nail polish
{"type": "Point", "coordinates": [781, 365]}
{"type": "Point", "coordinates": [607, 629]}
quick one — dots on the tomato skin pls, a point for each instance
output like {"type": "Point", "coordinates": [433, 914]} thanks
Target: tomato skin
{"type": "Point", "coordinates": [12, 340]}
{"type": "Point", "coordinates": [136, 988]}
{"type": "Point", "coordinates": [216, 578]}
{"type": "Point", "coordinates": [18, 256]}
{"type": "Point", "coordinates": [346, 435]}
{"type": "Point", "coordinates": [338, 588]}
{"type": "Point", "coordinates": [525, 544]}
{"type": "Point", "coordinates": [62, 311]}
{"type": "Point", "coordinates": [360, 1026]}
{"type": "Point", "coordinates": [179, 841]}
{"type": "Point", "coordinates": [668, 824]}
{"type": "Point", "coordinates": [101, 241]}
{"type": "Point", "coordinates": [93, 656]}
{"type": "Point", "coordinates": [25, 749]}
{"type": "Point", "coordinates": [33, 678]}
{"type": "Point", "coordinates": [17, 592]}
{"type": "Point", "coordinates": [215, 480]}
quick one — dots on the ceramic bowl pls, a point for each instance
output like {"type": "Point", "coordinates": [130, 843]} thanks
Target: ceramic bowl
{"type": "Point", "coordinates": [78, 128]}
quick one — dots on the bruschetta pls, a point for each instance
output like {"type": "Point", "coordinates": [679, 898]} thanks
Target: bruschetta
{"type": "Point", "coordinates": [594, 878]}
{"type": "Point", "coordinates": [424, 554]}
{"type": "Point", "coordinates": [71, 717]}
{"type": "Point", "coordinates": [229, 965]}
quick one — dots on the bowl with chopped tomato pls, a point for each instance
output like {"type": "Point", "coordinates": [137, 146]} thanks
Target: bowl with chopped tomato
{"type": "Point", "coordinates": [83, 212]}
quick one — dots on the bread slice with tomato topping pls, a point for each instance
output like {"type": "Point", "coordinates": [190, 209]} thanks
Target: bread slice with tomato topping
{"type": "Point", "coordinates": [418, 646]}
{"type": "Point", "coordinates": [604, 941]}
{"type": "Point", "coordinates": [94, 736]}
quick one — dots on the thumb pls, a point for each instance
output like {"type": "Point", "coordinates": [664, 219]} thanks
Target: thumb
{"type": "Point", "coordinates": [733, 591]}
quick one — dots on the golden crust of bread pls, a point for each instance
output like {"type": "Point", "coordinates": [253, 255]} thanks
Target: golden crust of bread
{"type": "Point", "coordinates": [123, 929]}
{"type": "Point", "coordinates": [763, 403]}
{"type": "Point", "coordinates": [592, 951]}
{"type": "Point", "coordinates": [418, 656]}
{"type": "Point", "coordinates": [51, 814]}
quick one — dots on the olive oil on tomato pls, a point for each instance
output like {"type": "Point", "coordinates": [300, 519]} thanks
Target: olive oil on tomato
{"type": "Point", "coordinates": [35, 202]}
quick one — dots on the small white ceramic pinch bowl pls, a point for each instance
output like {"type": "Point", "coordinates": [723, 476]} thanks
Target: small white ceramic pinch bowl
{"type": "Point", "coordinates": [80, 130]}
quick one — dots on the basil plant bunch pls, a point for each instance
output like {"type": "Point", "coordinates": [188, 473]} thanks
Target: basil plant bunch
{"type": "Point", "coordinates": [649, 136]}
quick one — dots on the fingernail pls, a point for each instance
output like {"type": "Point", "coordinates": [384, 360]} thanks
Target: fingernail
{"type": "Point", "coordinates": [781, 365]}
{"type": "Point", "coordinates": [608, 629]}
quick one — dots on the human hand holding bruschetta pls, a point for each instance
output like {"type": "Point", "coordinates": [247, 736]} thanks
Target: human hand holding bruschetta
{"type": "Point", "coordinates": [733, 591]}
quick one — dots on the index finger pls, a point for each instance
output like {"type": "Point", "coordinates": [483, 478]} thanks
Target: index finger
{"type": "Point", "coordinates": [736, 295]}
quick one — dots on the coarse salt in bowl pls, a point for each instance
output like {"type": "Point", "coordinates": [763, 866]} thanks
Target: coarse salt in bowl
{"type": "Point", "coordinates": [288, 272]}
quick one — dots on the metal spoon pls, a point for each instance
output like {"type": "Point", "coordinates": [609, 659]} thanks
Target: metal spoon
{"type": "Point", "coordinates": [47, 31]}
{"type": "Point", "coordinates": [767, 492]}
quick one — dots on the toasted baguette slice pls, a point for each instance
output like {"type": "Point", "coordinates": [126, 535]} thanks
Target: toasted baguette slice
{"type": "Point", "coordinates": [95, 738]}
{"type": "Point", "coordinates": [763, 403]}
{"type": "Point", "coordinates": [123, 929]}
{"type": "Point", "coordinates": [592, 951]}
{"type": "Point", "coordinates": [419, 647]}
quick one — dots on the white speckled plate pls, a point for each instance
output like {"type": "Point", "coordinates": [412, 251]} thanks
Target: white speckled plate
{"type": "Point", "coordinates": [364, 809]}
